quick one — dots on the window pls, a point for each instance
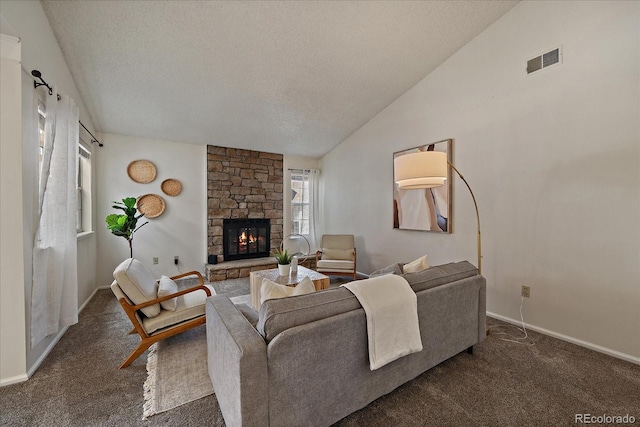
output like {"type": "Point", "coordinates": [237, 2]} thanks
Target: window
{"type": "Point", "coordinates": [83, 216]}
{"type": "Point", "coordinates": [83, 189]}
{"type": "Point", "coordinates": [41, 119]}
{"type": "Point", "coordinates": [300, 203]}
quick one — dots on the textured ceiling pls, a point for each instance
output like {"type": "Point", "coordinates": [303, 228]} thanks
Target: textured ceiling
{"type": "Point", "coordinates": [287, 77]}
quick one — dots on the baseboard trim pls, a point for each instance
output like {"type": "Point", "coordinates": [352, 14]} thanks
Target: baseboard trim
{"type": "Point", "coordinates": [46, 352]}
{"type": "Point", "coordinates": [581, 343]}
{"type": "Point", "coordinates": [87, 301]}
{"type": "Point", "coordinates": [13, 380]}
{"type": "Point", "coordinates": [101, 288]}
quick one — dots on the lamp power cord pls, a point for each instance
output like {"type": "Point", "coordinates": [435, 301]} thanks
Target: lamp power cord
{"type": "Point", "coordinates": [525, 339]}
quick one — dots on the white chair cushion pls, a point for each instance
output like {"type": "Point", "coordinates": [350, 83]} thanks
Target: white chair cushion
{"type": "Point", "coordinates": [335, 265]}
{"type": "Point", "coordinates": [167, 287]}
{"type": "Point", "coordinates": [342, 254]}
{"type": "Point", "coordinates": [188, 306]}
{"type": "Point", "coordinates": [272, 290]}
{"type": "Point", "coordinates": [416, 266]}
{"type": "Point", "coordinates": [138, 284]}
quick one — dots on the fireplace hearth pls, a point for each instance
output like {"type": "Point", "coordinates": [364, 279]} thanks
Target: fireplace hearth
{"type": "Point", "coordinates": [246, 238]}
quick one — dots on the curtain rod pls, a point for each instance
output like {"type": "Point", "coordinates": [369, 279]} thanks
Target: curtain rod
{"type": "Point", "coordinates": [302, 170]}
{"type": "Point", "coordinates": [38, 75]}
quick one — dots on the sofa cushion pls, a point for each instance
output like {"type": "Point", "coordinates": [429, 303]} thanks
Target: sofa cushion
{"type": "Point", "coordinates": [272, 290]}
{"type": "Point", "coordinates": [416, 266]}
{"type": "Point", "coordinates": [138, 284]}
{"type": "Point", "coordinates": [167, 287]}
{"type": "Point", "coordinates": [439, 275]}
{"type": "Point", "coordinates": [391, 269]}
{"type": "Point", "coordinates": [278, 315]}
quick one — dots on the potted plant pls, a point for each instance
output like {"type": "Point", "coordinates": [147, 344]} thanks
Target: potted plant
{"type": "Point", "coordinates": [124, 225]}
{"type": "Point", "coordinates": [283, 257]}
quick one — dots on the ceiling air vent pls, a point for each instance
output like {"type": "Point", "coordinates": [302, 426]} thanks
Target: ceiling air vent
{"type": "Point", "coordinates": [545, 60]}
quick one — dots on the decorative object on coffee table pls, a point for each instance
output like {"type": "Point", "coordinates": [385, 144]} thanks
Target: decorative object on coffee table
{"type": "Point", "coordinates": [142, 171]}
{"type": "Point", "coordinates": [299, 247]}
{"type": "Point", "coordinates": [320, 281]}
{"type": "Point", "coordinates": [151, 205]}
{"type": "Point", "coordinates": [171, 187]}
{"type": "Point", "coordinates": [430, 169]}
{"type": "Point", "coordinates": [283, 257]}
{"type": "Point", "coordinates": [294, 241]}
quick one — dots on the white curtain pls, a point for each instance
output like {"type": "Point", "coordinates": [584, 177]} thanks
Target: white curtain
{"type": "Point", "coordinates": [54, 294]}
{"type": "Point", "coordinates": [313, 176]}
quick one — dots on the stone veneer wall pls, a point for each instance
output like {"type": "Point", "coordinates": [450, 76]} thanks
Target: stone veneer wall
{"type": "Point", "coordinates": [242, 184]}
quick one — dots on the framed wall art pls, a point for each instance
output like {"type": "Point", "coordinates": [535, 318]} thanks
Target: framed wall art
{"type": "Point", "coordinates": [425, 209]}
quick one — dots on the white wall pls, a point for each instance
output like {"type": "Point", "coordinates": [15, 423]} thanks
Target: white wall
{"type": "Point", "coordinates": [13, 367]}
{"type": "Point", "coordinates": [554, 160]}
{"type": "Point", "coordinates": [182, 228]}
{"type": "Point", "coordinates": [40, 50]}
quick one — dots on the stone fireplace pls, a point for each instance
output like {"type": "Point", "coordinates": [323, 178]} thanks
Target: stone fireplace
{"type": "Point", "coordinates": [243, 184]}
{"type": "Point", "coordinates": [246, 238]}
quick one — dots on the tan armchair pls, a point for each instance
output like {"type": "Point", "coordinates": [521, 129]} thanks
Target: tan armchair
{"type": "Point", "coordinates": [337, 256]}
{"type": "Point", "coordinates": [137, 291]}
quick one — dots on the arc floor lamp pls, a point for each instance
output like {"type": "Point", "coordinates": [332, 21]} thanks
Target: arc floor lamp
{"type": "Point", "coordinates": [428, 169]}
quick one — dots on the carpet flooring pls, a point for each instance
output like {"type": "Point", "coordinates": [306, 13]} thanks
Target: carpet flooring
{"type": "Point", "coordinates": [501, 384]}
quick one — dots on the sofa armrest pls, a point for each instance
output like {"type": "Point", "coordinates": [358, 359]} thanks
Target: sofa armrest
{"type": "Point", "coordinates": [237, 363]}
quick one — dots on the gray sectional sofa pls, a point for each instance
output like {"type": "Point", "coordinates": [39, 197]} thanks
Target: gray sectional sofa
{"type": "Point", "coordinates": [303, 361]}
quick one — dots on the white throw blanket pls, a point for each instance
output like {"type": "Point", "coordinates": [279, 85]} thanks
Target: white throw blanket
{"type": "Point", "coordinates": [391, 307]}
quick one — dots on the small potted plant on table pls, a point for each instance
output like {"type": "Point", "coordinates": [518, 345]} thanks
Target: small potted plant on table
{"type": "Point", "coordinates": [284, 261]}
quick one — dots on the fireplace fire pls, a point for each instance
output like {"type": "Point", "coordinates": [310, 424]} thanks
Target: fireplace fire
{"type": "Point", "coordinates": [246, 238]}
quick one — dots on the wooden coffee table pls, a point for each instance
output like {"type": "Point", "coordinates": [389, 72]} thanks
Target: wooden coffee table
{"type": "Point", "coordinates": [320, 281]}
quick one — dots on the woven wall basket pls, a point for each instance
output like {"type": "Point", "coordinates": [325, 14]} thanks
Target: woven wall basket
{"type": "Point", "coordinates": [171, 187]}
{"type": "Point", "coordinates": [142, 171]}
{"type": "Point", "coordinates": [151, 205]}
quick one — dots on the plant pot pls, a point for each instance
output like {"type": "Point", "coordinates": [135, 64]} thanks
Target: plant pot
{"type": "Point", "coordinates": [283, 269]}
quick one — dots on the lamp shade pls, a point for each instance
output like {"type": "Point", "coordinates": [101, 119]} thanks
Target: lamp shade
{"type": "Point", "coordinates": [424, 169]}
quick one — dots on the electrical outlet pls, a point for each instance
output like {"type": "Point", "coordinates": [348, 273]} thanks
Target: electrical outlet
{"type": "Point", "coordinates": [526, 291]}
{"type": "Point", "coordinates": [176, 259]}
{"type": "Point", "coordinates": [155, 259]}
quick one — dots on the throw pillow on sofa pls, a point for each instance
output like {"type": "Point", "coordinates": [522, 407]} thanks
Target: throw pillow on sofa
{"type": "Point", "coordinates": [416, 266]}
{"type": "Point", "coordinates": [167, 287]}
{"type": "Point", "coordinates": [272, 290]}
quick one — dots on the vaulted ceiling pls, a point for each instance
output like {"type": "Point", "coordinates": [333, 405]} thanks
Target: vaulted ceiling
{"type": "Point", "coordinates": [287, 77]}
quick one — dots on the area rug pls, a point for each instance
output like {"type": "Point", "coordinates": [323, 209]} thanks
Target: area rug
{"type": "Point", "coordinates": [176, 372]}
